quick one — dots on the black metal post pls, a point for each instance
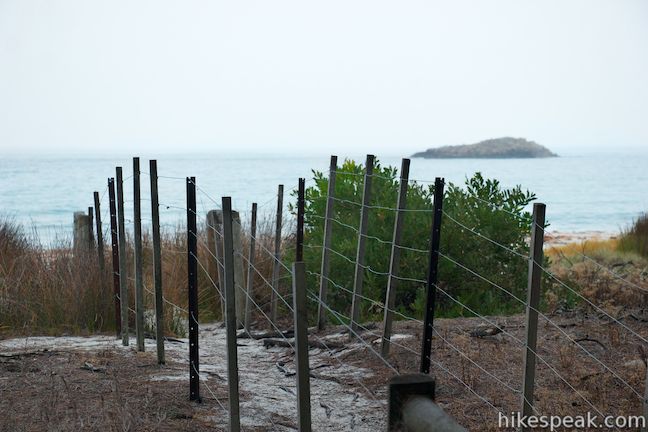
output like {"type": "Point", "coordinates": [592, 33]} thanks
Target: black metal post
{"type": "Point", "coordinates": [192, 270]}
{"type": "Point", "coordinates": [301, 202]}
{"type": "Point", "coordinates": [115, 253]}
{"type": "Point", "coordinates": [433, 273]}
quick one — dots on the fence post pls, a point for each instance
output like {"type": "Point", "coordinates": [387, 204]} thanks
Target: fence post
{"type": "Point", "coordinates": [250, 273]}
{"type": "Point", "coordinates": [395, 258]}
{"type": "Point", "coordinates": [276, 268]}
{"type": "Point", "coordinates": [328, 231]}
{"type": "Point", "coordinates": [360, 254]}
{"type": "Point", "coordinates": [412, 407]}
{"type": "Point", "coordinates": [123, 272]}
{"type": "Point", "coordinates": [301, 346]}
{"type": "Point", "coordinates": [90, 229]}
{"type": "Point", "coordinates": [157, 263]}
{"type": "Point", "coordinates": [239, 272]}
{"type": "Point", "coordinates": [215, 244]}
{"type": "Point", "coordinates": [192, 289]}
{"type": "Point", "coordinates": [433, 276]}
{"type": "Point", "coordinates": [100, 245]}
{"type": "Point", "coordinates": [533, 303]}
{"type": "Point", "coordinates": [81, 240]}
{"type": "Point", "coordinates": [230, 316]}
{"type": "Point", "coordinates": [301, 318]}
{"type": "Point", "coordinates": [115, 253]}
{"type": "Point", "coordinates": [139, 283]}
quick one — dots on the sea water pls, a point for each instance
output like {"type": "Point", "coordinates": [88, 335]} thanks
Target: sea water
{"type": "Point", "coordinates": [583, 192]}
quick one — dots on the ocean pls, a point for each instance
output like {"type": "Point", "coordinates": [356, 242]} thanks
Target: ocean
{"type": "Point", "coordinates": [583, 193]}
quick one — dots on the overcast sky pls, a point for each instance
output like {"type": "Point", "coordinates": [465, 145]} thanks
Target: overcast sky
{"type": "Point", "coordinates": [389, 77]}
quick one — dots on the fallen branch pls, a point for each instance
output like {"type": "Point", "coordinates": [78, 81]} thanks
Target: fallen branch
{"type": "Point", "coordinates": [589, 339]}
{"type": "Point", "coordinates": [271, 342]}
{"type": "Point", "coordinates": [272, 334]}
{"type": "Point", "coordinates": [91, 368]}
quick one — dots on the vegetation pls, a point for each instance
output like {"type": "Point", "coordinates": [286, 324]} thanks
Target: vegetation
{"type": "Point", "coordinates": [506, 147]}
{"type": "Point", "coordinates": [609, 273]}
{"type": "Point", "coordinates": [482, 205]}
{"type": "Point", "coordinates": [48, 290]}
{"type": "Point", "coordinates": [635, 239]}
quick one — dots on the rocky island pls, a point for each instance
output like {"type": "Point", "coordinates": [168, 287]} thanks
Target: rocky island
{"type": "Point", "coordinates": [497, 148]}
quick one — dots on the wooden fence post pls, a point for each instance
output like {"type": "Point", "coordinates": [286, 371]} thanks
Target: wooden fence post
{"type": "Point", "coordinates": [533, 303]}
{"type": "Point", "coordinates": [230, 317]}
{"type": "Point", "coordinates": [358, 279]}
{"type": "Point", "coordinates": [157, 263]}
{"type": "Point", "coordinates": [81, 239]}
{"type": "Point", "coordinates": [123, 272]}
{"type": "Point", "coordinates": [115, 254]}
{"type": "Point", "coordinates": [100, 244]}
{"type": "Point", "coordinates": [192, 289]}
{"type": "Point", "coordinates": [328, 232]}
{"type": "Point", "coordinates": [301, 319]}
{"type": "Point", "coordinates": [433, 276]}
{"type": "Point", "coordinates": [215, 244]}
{"type": "Point", "coordinates": [239, 271]}
{"type": "Point", "coordinates": [276, 268]}
{"type": "Point", "coordinates": [250, 273]}
{"type": "Point", "coordinates": [137, 233]}
{"type": "Point", "coordinates": [395, 258]}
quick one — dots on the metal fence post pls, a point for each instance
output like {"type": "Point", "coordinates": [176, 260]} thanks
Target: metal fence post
{"type": "Point", "coordinates": [390, 296]}
{"type": "Point", "coordinates": [301, 204]}
{"type": "Point", "coordinates": [230, 317]}
{"type": "Point", "coordinates": [192, 289]}
{"type": "Point", "coordinates": [358, 279]}
{"type": "Point", "coordinates": [137, 233]}
{"type": "Point", "coordinates": [533, 303]}
{"type": "Point", "coordinates": [115, 254]}
{"type": "Point", "coordinates": [91, 242]}
{"type": "Point", "coordinates": [123, 272]}
{"type": "Point", "coordinates": [157, 263]}
{"type": "Point", "coordinates": [328, 232]}
{"type": "Point", "coordinates": [250, 273]}
{"type": "Point", "coordinates": [276, 268]}
{"type": "Point", "coordinates": [301, 346]}
{"type": "Point", "coordinates": [433, 276]}
{"type": "Point", "coordinates": [301, 319]}
{"type": "Point", "coordinates": [100, 244]}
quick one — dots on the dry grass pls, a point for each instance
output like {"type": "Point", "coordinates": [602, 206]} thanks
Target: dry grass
{"type": "Point", "coordinates": [57, 291]}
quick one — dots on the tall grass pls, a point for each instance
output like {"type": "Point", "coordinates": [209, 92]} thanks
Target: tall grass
{"type": "Point", "coordinates": [58, 290]}
{"type": "Point", "coordinates": [635, 238]}
{"type": "Point", "coordinates": [53, 290]}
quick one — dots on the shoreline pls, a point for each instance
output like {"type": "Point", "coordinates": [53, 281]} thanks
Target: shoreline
{"type": "Point", "coordinates": [562, 238]}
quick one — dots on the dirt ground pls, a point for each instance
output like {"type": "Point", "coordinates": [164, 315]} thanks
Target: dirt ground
{"type": "Point", "coordinates": [43, 385]}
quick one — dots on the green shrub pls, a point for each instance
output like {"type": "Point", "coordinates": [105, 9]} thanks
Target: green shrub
{"type": "Point", "coordinates": [482, 205]}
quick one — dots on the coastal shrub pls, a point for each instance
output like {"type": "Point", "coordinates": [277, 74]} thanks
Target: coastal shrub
{"type": "Point", "coordinates": [481, 205]}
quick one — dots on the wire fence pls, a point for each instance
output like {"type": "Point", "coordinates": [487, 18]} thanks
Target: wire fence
{"type": "Point", "coordinates": [451, 356]}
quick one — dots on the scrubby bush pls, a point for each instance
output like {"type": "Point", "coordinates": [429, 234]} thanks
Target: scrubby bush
{"type": "Point", "coordinates": [482, 205]}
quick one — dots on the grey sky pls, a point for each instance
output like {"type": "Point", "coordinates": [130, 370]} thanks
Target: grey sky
{"type": "Point", "coordinates": [389, 77]}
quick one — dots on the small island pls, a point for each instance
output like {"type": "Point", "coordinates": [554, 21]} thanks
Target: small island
{"type": "Point", "coordinates": [497, 148]}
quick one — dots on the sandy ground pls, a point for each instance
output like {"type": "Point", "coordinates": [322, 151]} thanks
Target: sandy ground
{"type": "Point", "coordinates": [44, 388]}
{"type": "Point", "coordinates": [557, 238]}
